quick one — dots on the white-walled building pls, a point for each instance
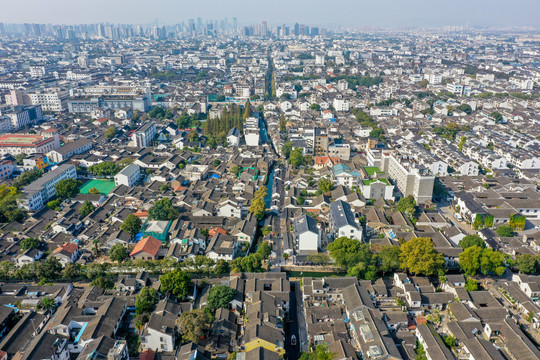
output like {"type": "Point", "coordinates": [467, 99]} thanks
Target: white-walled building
{"type": "Point", "coordinates": [144, 135]}
{"type": "Point", "coordinates": [36, 195]}
{"type": "Point", "coordinates": [409, 178]}
{"type": "Point", "coordinates": [15, 144]}
{"type": "Point", "coordinates": [469, 168]}
{"type": "Point", "coordinates": [343, 222]}
{"type": "Point", "coordinates": [252, 131]}
{"type": "Point", "coordinates": [307, 234]}
{"type": "Point", "coordinates": [128, 176]}
{"type": "Point", "coordinates": [233, 137]}
{"type": "Point", "coordinates": [68, 150]}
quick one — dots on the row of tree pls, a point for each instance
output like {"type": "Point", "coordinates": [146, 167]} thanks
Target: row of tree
{"type": "Point", "coordinates": [252, 262]}
{"type": "Point", "coordinates": [258, 205]}
{"type": "Point", "coordinates": [418, 256]}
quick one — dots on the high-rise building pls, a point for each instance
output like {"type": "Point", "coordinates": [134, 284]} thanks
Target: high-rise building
{"type": "Point", "coordinates": [264, 28]}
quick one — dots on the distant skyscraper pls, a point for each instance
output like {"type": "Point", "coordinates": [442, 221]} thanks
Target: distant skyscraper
{"type": "Point", "coordinates": [264, 28]}
{"type": "Point", "coordinates": [296, 29]}
{"type": "Point", "coordinates": [235, 24]}
{"type": "Point", "coordinates": [2, 28]}
{"type": "Point", "coordinates": [101, 30]}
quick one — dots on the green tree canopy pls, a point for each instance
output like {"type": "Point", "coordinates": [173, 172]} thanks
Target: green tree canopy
{"type": "Point", "coordinates": [220, 296]}
{"type": "Point", "coordinates": [287, 149]}
{"type": "Point", "coordinates": [389, 258]}
{"type": "Point", "coordinates": [472, 240]}
{"type": "Point", "coordinates": [176, 283]}
{"type": "Point", "coordinates": [67, 188]}
{"type": "Point", "coordinates": [26, 178]}
{"type": "Point", "coordinates": [72, 271]}
{"type": "Point", "coordinates": [505, 231]}
{"type": "Point", "coordinates": [110, 132]}
{"type": "Point", "coordinates": [282, 126]}
{"type": "Point", "coordinates": [50, 269]}
{"type": "Point", "coordinates": [320, 353]}
{"type": "Point", "coordinates": [466, 108]}
{"type": "Point", "coordinates": [29, 243]}
{"type": "Point", "coordinates": [9, 208]}
{"type": "Point", "coordinates": [103, 283]}
{"type": "Point", "coordinates": [86, 209]}
{"type": "Point", "coordinates": [474, 260]}
{"type": "Point", "coordinates": [235, 170]}
{"type": "Point", "coordinates": [7, 269]}
{"type": "Point", "coordinates": [297, 157]}
{"type": "Point", "coordinates": [315, 107]}
{"type": "Point", "coordinates": [250, 263]}
{"type": "Point", "coordinates": [407, 205]}
{"type": "Point", "coordinates": [247, 110]}
{"type": "Point", "coordinates": [47, 304]}
{"type": "Point", "coordinates": [145, 300]}
{"type": "Point", "coordinates": [419, 257]}
{"type": "Point", "coordinates": [118, 253]}
{"type": "Point", "coordinates": [258, 208]}
{"type": "Point", "coordinates": [107, 168]}
{"type": "Point", "coordinates": [496, 116]}
{"type": "Point", "coordinates": [193, 325]}
{"type": "Point", "coordinates": [264, 250]}
{"type": "Point", "coordinates": [528, 264]}
{"type": "Point", "coordinates": [325, 185]}
{"type": "Point", "coordinates": [132, 224]}
{"type": "Point", "coordinates": [471, 285]}
{"type": "Point", "coordinates": [347, 252]}
{"type": "Point", "coordinates": [163, 210]}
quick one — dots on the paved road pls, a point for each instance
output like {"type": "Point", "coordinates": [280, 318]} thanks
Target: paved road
{"type": "Point", "coordinates": [448, 212]}
{"type": "Point", "coordinates": [292, 352]}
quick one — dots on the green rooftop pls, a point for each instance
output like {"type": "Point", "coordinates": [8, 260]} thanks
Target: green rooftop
{"type": "Point", "coordinates": [369, 182]}
{"type": "Point", "coordinates": [104, 186]}
{"type": "Point", "coordinates": [371, 170]}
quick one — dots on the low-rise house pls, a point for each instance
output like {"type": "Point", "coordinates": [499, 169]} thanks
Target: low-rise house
{"type": "Point", "coordinates": [29, 256]}
{"type": "Point", "coordinates": [147, 248]}
{"type": "Point", "coordinates": [233, 137]}
{"type": "Point", "coordinates": [342, 221]}
{"type": "Point", "coordinates": [159, 333]}
{"type": "Point", "coordinates": [307, 234]}
{"type": "Point", "coordinates": [67, 253]}
{"type": "Point", "coordinates": [222, 247]}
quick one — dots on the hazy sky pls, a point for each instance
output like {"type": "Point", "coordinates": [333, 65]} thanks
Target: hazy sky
{"type": "Point", "coordinates": [322, 12]}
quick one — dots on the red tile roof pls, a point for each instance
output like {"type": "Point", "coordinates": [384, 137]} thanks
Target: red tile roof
{"type": "Point", "coordinates": [321, 160]}
{"type": "Point", "coordinates": [141, 213]}
{"type": "Point", "coordinates": [149, 245]}
{"type": "Point", "coordinates": [69, 247]}
{"type": "Point", "coordinates": [147, 355]}
{"type": "Point", "coordinates": [217, 230]}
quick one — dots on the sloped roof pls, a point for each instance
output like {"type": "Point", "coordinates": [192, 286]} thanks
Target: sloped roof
{"type": "Point", "coordinates": [149, 245]}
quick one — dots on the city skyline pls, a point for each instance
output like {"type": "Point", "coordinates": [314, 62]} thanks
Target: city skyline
{"type": "Point", "coordinates": [391, 13]}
